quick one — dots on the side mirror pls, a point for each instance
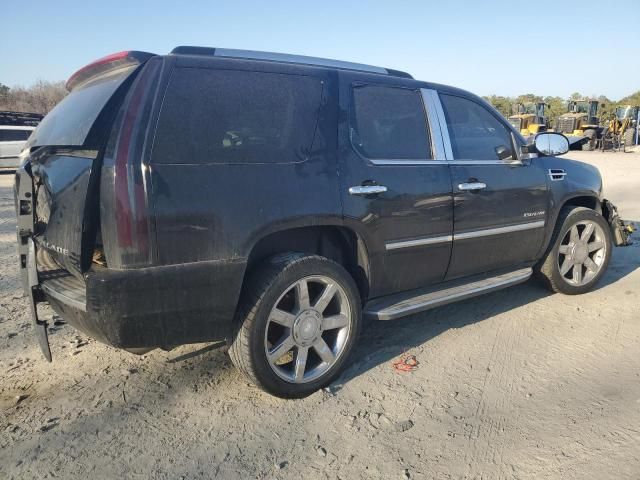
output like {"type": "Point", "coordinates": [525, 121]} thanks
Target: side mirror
{"type": "Point", "coordinates": [551, 143]}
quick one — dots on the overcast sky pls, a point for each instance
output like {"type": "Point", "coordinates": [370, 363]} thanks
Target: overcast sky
{"type": "Point", "coordinates": [502, 47]}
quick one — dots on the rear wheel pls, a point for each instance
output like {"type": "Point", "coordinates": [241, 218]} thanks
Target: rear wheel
{"type": "Point", "coordinates": [298, 321]}
{"type": "Point", "coordinates": [579, 254]}
{"type": "Point", "coordinates": [590, 144]}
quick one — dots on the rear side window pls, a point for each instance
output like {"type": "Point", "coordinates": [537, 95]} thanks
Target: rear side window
{"type": "Point", "coordinates": [14, 135]}
{"type": "Point", "coordinates": [229, 116]}
{"type": "Point", "coordinates": [389, 123]}
{"type": "Point", "coordinates": [475, 133]}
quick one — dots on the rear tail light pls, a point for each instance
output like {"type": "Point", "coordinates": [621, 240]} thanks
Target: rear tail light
{"type": "Point", "coordinates": [125, 219]}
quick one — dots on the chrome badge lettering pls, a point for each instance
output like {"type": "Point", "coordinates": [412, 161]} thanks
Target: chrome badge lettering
{"type": "Point", "coordinates": [56, 248]}
{"type": "Point", "coordinates": [534, 214]}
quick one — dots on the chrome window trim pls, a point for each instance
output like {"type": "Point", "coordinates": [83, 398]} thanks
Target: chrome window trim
{"type": "Point", "coordinates": [437, 144]}
{"type": "Point", "coordinates": [401, 161]}
{"type": "Point", "coordinates": [418, 242]}
{"type": "Point", "coordinates": [498, 230]}
{"type": "Point", "coordinates": [444, 129]}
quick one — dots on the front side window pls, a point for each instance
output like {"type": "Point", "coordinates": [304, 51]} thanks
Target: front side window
{"type": "Point", "coordinates": [475, 133]}
{"type": "Point", "coordinates": [228, 116]}
{"type": "Point", "coordinates": [389, 123]}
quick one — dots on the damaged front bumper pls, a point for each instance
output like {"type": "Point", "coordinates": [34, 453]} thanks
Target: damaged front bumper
{"type": "Point", "coordinates": [621, 231]}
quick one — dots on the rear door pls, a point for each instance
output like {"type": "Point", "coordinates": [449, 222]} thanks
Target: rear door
{"type": "Point", "coordinates": [395, 184]}
{"type": "Point", "coordinates": [500, 203]}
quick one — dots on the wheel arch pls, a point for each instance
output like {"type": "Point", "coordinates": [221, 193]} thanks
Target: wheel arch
{"type": "Point", "coordinates": [586, 199]}
{"type": "Point", "coordinates": [336, 242]}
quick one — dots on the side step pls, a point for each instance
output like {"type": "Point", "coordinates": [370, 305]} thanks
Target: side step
{"type": "Point", "coordinates": [408, 303]}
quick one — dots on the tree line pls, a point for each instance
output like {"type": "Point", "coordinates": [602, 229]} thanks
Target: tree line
{"type": "Point", "coordinates": [558, 105]}
{"type": "Point", "coordinates": [42, 96]}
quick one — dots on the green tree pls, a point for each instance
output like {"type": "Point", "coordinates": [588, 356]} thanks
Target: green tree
{"type": "Point", "coordinates": [502, 104]}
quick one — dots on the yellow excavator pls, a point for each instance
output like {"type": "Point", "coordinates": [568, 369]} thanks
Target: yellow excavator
{"type": "Point", "coordinates": [529, 118]}
{"type": "Point", "coordinates": [621, 131]}
{"type": "Point", "coordinates": [581, 121]}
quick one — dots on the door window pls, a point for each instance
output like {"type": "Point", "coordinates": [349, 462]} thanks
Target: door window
{"type": "Point", "coordinates": [227, 116]}
{"type": "Point", "coordinates": [389, 123]}
{"type": "Point", "coordinates": [475, 133]}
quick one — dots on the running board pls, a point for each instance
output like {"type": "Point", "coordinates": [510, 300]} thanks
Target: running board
{"type": "Point", "coordinates": [415, 301]}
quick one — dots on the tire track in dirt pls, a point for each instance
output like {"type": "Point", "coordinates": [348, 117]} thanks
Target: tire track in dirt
{"type": "Point", "coordinates": [494, 412]}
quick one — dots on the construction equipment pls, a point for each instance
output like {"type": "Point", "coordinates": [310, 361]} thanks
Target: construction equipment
{"type": "Point", "coordinates": [581, 120]}
{"type": "Point", "coordinates": [529, 118]}
{"type": "Point", "coordinates": [621, 128]}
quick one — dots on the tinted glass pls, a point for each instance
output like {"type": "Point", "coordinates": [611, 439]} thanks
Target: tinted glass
{"type": "Point", "coordinates": [476, 134]}
{"type": "Point", "coordinates": [14, 135]}
{"type": "Point", "coordinates": [389, 123]}
{"type": "Point", "coordinates": [70, 121]}
{"type": "Point", "coordinates": [226, 116]}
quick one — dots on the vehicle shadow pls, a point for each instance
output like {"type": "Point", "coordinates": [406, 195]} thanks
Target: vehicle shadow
{"type": "Point", "coordinates": [624, 260]}
{"type": "Point", "coordinates": [381, 342]}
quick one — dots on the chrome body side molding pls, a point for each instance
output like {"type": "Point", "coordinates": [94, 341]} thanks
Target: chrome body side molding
{"type": "Point", "coordinates": [418, 242]}
{"type": "Point", "coordinates": [464, 235]}
{"type": "Point", "coordinates": [499, 230]}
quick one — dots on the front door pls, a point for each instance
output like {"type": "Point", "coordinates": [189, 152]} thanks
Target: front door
{"type": "Point", "coordinates": [500, 204]}
{"type": "Point", "coordinates": [395, 183]}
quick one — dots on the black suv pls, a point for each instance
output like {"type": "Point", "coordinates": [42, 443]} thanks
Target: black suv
{"type": "Point", "coordinates": [274, 201]}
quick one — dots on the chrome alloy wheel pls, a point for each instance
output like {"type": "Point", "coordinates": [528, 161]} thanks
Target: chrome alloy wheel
{"type": "Point", "coordinates": [582, 253]}
{"type": "Point", "coordinates": [307, 329]}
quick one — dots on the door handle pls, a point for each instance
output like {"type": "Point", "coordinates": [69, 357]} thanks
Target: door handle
{"type": "Point", "coordinates": [472, 186]}
{"type": "Point", "coordinates": [367, 189]}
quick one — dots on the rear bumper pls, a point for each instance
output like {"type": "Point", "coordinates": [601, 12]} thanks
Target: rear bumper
{"type": "Point", "coordinates": [148, 307]}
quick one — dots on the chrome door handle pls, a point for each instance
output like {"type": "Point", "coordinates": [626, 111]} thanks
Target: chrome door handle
{"type": "Point", "coordinates": [367, 189]}
{"type": "Point", "coordinates": [472, 186]}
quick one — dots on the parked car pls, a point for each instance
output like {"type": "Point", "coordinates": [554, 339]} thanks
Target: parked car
{"type": "Point", "coordinates": [275, 200]}
{"type": "Point", "coordinates": [15, 129]}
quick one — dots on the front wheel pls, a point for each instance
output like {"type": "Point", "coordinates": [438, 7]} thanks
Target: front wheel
{"type": "Point", "coordinates": [298, 321]}
{"type": "Point", "coordinates": [579, 253]}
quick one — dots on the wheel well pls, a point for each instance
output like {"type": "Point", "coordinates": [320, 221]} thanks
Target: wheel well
{"type": "Point", "coordinates": [586, 201]}
{"type": "Point", "coordinates": [339, 244]}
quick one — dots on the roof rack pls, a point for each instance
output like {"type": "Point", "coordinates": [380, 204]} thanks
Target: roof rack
{"type": "Point", "coordinates": [286, 58]}
{"type": "Point", "coordinates": [20, 119]}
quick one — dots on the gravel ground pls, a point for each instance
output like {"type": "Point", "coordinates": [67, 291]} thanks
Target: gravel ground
{"type": "Point", "coordinates": [515, 384]}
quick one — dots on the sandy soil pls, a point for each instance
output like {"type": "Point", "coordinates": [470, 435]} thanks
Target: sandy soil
{"type": "Point", "coordinates": [515, 384]}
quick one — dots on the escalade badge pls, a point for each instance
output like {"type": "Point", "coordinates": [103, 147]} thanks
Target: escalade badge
{"type": "Point", "coordinates": [534, 214]}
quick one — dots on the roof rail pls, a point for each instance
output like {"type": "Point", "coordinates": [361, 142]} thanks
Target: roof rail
{"type": "Point", "coordinates": [286, 58]}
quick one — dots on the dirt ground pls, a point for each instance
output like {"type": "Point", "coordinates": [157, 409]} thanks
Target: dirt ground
{"type": "Point", "coordinates": [515, 384]}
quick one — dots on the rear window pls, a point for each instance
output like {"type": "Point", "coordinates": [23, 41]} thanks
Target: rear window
{"type": "Point", "coordinates": [228, 116]}
{"type": "Point", "coordinates": [70, 121]}
{"type": "Point", "coordinates": [14, 135]}
{"type": "Point", "coordinates": [389, 123]}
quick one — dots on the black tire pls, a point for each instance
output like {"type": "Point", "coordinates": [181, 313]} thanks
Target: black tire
{"type": "Point", "coordinates": [548, 269]}
{"type": "Point", "coordinates": [629, 137]}
{"type": "Point", "coordinates": [262, 290]}
{"type": "Point", "coordinates": [590, 144]}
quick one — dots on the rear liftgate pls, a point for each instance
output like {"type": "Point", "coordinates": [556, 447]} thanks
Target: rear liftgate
{"type": "Point", "coordinates": [27, 251]}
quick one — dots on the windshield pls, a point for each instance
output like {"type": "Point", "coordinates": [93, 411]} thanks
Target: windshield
{"type": "Point", "coordinates": [580, 107]}
{"type": "Point", "coordinates": [626, 112]}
